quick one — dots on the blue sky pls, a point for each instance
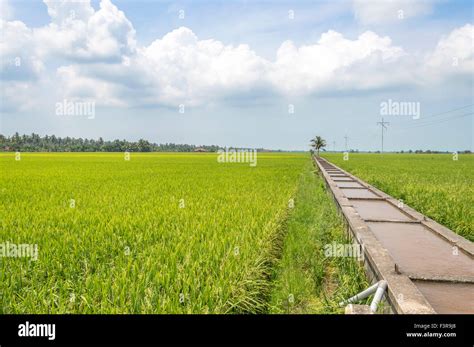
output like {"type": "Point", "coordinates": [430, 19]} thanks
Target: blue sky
{"type": "Point", "coordinates": [238, 67]}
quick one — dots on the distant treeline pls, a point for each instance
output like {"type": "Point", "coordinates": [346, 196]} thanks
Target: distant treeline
{"type": "Point", "coordinates": [37, 143]}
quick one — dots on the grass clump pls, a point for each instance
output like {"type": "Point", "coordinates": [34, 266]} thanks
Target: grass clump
{"type": "Point", "coordinates": [306, 280]}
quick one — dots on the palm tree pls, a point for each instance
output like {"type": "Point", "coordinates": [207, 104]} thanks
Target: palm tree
{"type": "Point", "coordinates": [318, 143]}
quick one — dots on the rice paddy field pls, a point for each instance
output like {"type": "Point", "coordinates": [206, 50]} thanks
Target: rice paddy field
{"type": "Point", "coordinates": [183, 233]}
{"type": "Point", "coordinates": [159, 233]}
{"type": "Point", "coordinates": [434, 184]}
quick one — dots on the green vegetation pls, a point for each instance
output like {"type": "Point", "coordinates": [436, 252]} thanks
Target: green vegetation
{"type": "Point", "coordinates": [129, 244]}
{"type": "Point", "coordinates": [169, 233]}
{"type": "Point", "coordinates": [318, 143]}
{"type": "Point", "coordinates": [182, 233]}
{"type": "Point", "coordinates": [434, 184]}
{"type": "Point", "coordinates": [306, 281]}
{"type": "Point", "coordinates": [36, 143]}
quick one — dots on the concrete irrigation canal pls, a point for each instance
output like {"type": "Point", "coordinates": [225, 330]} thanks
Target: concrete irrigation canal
{"type": "Point", "coordinates": [426, 267]}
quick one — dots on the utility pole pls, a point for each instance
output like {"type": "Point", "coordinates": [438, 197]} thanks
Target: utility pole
{"type": "Point", "coordinates": [346, 141]}
{"type": "Point", "coordinates": [382, 124]}
{"type": "Point", "coordinates": [334, 146]}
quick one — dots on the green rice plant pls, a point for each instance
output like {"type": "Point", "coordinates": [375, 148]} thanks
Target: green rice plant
{"type": "Point", "coordinates": [440, 186]}
{"type": "Point", "coordinates": [160, 233]}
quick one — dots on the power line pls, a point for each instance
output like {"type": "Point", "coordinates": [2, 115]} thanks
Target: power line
{"type": "Point", "coordinates": [428, 118]}
{"type": "Point", "coordinates": [441, 113]}
{"type": "Point", "coordinates": [441, 121]}
{"type": "Point", "coordinates": [428, 122]}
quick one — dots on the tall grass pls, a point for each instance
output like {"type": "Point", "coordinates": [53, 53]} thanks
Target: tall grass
{"type": "Point", "coordinates": [169, 233]}
{"type": "Point", "coordinates": [306, 280]}
{"type": "Point", "coordinates": [127, 246]}
{"type": "Point", "coordinates": [434, 184]}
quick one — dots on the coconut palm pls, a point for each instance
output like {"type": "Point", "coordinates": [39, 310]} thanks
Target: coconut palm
{"type": "Point", "coordinates": [318, 143]}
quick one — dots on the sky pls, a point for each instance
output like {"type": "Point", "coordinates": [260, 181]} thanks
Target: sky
{"type": "Point", "coordinates": [252, 74]}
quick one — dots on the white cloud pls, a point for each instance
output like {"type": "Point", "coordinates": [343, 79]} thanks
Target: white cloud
{"type": "Point", "coordinates": [329, 63]}
{"type": "Point", "coordinates": [76, 85]}
{"type": "Point", "coordinates": [384, 11]}
{"type": "Point", "coordinates": [6, 11]}
{"type": "Point", "coordinates": [193, 70]}
{"type": "Point", "coordinates": [18, 58]}
{"type": "Point", "coordinates": [63, 11]}
{"type": "Point", "coordinates": [79, 33]}
{"type": "Point", "coordinates": [76, 33]}
{"type": "Point", "coordinates": [180, 68]}
{"type": "Point", "coordinates": [454, 52]}
{"type": "Point", "coordinates": [19, 65]}
{"type": "Point", "coordinates": [95, 55]}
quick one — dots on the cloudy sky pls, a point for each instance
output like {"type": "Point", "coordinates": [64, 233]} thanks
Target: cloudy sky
{"type": "Point", "coordinates": [242, 73]}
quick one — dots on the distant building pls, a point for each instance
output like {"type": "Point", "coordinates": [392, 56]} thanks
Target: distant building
{"type": "Point", "coordinates": [200, 149]}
